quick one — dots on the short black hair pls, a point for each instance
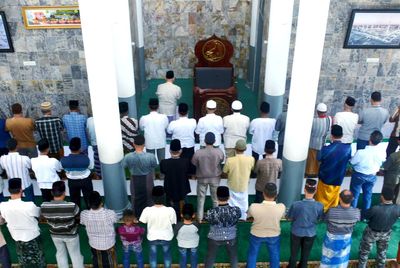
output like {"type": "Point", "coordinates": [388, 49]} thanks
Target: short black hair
{"type": "Point", "coordinates": [58, 188]}
{"type": "Point", "coordinates": [269, 146]}
{"type": "Point", "coordinates": [376, 96]}
{"type": "Point", "coordinates": [12, 144]}
{"type": "Point", "coordinates": [187, 211]}
{"type": "Point", "coordinates": [310, 186]}
{"type": "Point", "coordinates": [337, 131]}
{"type": "Point", "coordinates": [75, 144]}
{"type": "Point", "coordinates": [222, 193]}
{"type": "Point", "coordinates": [73, 104]}
{"type": "Point", "coordinates": [94, 200]}
{"type": "Point", "coordinates": [128, 214]}
{"type": "Point", "coordinates": [346, 196]}
{"type": "Point", "coordinates": [183, 108]}
{"type": "Point", "coordinates": [350, 101]}
{"type": "Point", "coordinates": [15, 185]}
{"type": "Point", "coordinates": [388, 193]}
{"type": "Point", "coordinates": [158, 194]}
{"type": "Point", "coordinates": [123, 107]}
{"type": "Point", "coordinates": [170, 74]}
{"type": "Point", "coordinates": [139, 140]}
{"type": "Point", "coordinates": [153, 104]}
{"type": "Point", "coordinates": [376, 137]}
{"type": "Point", "coordinates": [16, 108]}
{"type": "Point", "coordinates": [43, 145]}
{"type": "Point", "coordinates": [264, 107]}
{"type": "Point", "coordinates": [270, 190]}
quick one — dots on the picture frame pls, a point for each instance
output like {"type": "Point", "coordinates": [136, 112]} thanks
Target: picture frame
{"type": "Point", "coordinates": [5, 37]}
{"type": "Point", "coordinates": [51, 17]}
{"type": "Point", "coordinates": [373, 28]}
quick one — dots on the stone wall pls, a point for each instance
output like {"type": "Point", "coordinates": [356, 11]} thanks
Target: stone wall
{"type": "Point", "coordinates": [172, 28]}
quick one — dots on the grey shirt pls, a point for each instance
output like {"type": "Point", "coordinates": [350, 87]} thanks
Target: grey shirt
{"type": "Point", "coordinates": [139, 163]}
{"type": "Point", "coordinates": [341, 220]}
{"type": "Point", "coordinates": [280, 126]}
{"type": "Point", "coordinates": [371, 119]}
{"type": "Point", "coordinates": [208, 164]}
{"type": "Point", "coordinates": [319, 131]}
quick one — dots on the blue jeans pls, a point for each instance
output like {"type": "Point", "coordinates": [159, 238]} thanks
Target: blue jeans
{"type": "Point", "coordinates": [366, 183]}
{"type": "Point", "coordinates": [273, 246]}
{"type": "Point", "coordinates": [29, 194]}
{"type": "Point", "coordinates": [137, 249]}
{"type": "Point", "coordinates": [193, 257]}
{"type": "Point", "coordinates": [361, 144]}
{"type": "Point", "coordinates": [166, 252]}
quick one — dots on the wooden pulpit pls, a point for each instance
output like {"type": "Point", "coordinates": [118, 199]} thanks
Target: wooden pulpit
{"type": "Point", "coordinates": [213, 76]}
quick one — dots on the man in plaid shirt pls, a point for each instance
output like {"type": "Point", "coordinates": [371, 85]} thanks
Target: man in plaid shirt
{"type": "Point", "coordinates": [75, 124]}
{"type": "Point", "coordinates": [50, 127]}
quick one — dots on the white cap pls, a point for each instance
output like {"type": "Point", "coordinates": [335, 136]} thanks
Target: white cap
{"type": "Point", "coordinates": [237, 105]}
{"type": "Point", "coordinates": [321, 107]}
{"type": "Point", "coordinates": [211, 104]}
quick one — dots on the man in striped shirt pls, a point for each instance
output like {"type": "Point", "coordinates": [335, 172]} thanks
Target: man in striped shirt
{"type": "Point", "coordinates": [61, 217]}
{"type": "Point", "coordinates": [129, 127]}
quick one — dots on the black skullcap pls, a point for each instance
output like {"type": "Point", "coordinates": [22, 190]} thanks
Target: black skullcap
{"type": "Point", "coordinates": [175, 145]}
{"type": "Point", "coordinates": [264, 107]}
{"type": "Point", "coordinates": [388, 193]}
{"type": "Point", "coordinates": [209, 138]}
{"type": "Point", "coordinates": [158, 191]}
{"type": "Point", "coordinates": [139, 140]}
{"type": "Point", "coordinates": [153, 102]}
{"type": "Point", "coordinates": [183, 108]}
{"type": "Point", "coordinates": [123, 107]}
{"type": "Point", "coordinates": [269, 145]}
{"type": "Point", "coordinates": [350, 101]}
{"type": "Point", "coordinates": [73, 103]}
{"type": "Point", "coordinates": [169, 74]}
{"type": "Point", "coordinates": [14, 185]}
{"type": "Point", "coordinates": [337, 131]}
{"type": "Point", "coordinates": [222, 192]}
{"type": "Point", "coordinates": [311, 182]}
{"type": "Point", "coordinates": [75, 144]}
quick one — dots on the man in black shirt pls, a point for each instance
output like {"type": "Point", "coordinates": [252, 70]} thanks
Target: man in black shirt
{"type": "Point", "coordinates": [380, 221]}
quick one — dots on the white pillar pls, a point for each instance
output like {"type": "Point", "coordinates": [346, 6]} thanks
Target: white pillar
{"type": "Point", "coordinates": [139, 46]}
{"type": "Point", "coordinates": [97, 34]}
{"type": "Point", "coordinates": [279, 31]}
{"type": "Point", "coordinates": [255, 47]}
{"type": "Point", "coordinates": [310, 38]}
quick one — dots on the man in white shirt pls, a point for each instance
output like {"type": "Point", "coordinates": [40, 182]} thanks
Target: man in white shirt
{"type": "Point", "coordinates": [154, 126]}
{"type": "Point", "coordinates": [347, 120]}
{"type": "Point", "coordinates": [17, 166]}
{"type": "Point", "coordinates": [236, 126]}
{"type": "Point", "coordinates": [168, 94]}
{"type": "Point", "coordinates": [21, 218]}
{"type": "Point", "coordinates": [183, 130]}
{"type": "Point", "coordinates": [45, 169]}
{"type": "Point", "coordinates": [210, 123]}
{"type": "Point", "coordinates": [262, 129]}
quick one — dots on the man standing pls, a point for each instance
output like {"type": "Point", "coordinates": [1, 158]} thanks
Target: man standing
{"type": "Point", "coordinates": [280, 126]}
{"type": "Point", "coordinates": [237, 169]}
{"type": "Point", "coordinates": [61, 217]}
{"type": "Point", "coordinates": [333, 164]}
{"type": "Point", "coordinates": [320, 128]}
{"type": "Point", "coordinates": [208, 172]}
{"type": "Point", "coordinates": [17, 166]}
{"type": "Point", "coordinates": [262, 129]}
{"type": "Point", "coordinates": [21, 128]}
{"type": "Point", "coordinates": [304, 215]}
{"type": "Point", "coordinates": [141, 166]}
{"type": "Point", "coordinates": [50, 128]}
{"type": "Point", "coordinates": [75, 124]}
{"type": "Point", "coordinates": [236, 126]}
{"type": "Point", "coordinates": [395, 134]}
{"type": "Point", "coordinates": [154, 126]}
{"type": "Point", "coordinates": [266, 227]}
{"type": "Point", "coordinates": [337, 242]}
{"type": "Point", "coordinates": [210, 123]}
{"type": "Point", "coordinates": [371, 119]}
{"type": "Point", "coordinates": [168, 94]}
{"type": "Point", "coordinates": [392, 170]}
{"type": "Point", "coordinates": [91, 134]}
{"type": "Point", "coordinates": [381, 219]}
{"type": "Point", "coordinates": [347, 120]}
{"type": "Point", "coordinates": [129, 127]}
{"type": "Point", "coordinates": [21, 218]}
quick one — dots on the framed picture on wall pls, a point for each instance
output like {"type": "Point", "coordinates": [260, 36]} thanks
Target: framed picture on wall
{"type": "Point", "coordinates": [373, 28]}
{"type": "Point", "coordinates": [48, 17]}
{"type": "Point", "coordinates": [5, 38]}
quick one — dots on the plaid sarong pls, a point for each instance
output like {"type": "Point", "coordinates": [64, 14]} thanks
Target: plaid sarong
{"type": "Point", "coordinates": [336, 250]}
{"type": "Point", "coordinates": [30, 254]}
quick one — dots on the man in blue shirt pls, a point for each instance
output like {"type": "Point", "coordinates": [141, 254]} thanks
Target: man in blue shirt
{"type": "Point", "coordinates": [75, 124]}
{"type": "Point", "coordinates": [305, 215]}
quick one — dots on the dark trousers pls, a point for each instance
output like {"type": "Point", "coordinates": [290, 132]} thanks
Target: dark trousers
{"type": "Point", "coordinates": [75, 188]}
{"type": "Point", "coordinates": [305, 245]}
{"type": "Point", "coordinates": [392, 146]}
{"type": "Point", "coordinates": [188, 154]}
{"type": "Point", "coordinates": [256, 156]}
{"type": "Point", "coordinates": [141, 187]}
{"type": "Point", "coordinates": [259, 197]}
{"type": "Point", "coordinates": [46, 195]}
{"type": "Point", "coordinates": [176, 205]}
{"type": "Point", "coordinates": [213, 246]}
{"type": "Point", "coordinates": [104, 258]}
{"type": "Point", "coordinates": [5, 257]}
{"type": "Point", "coordinates": [280, 151]}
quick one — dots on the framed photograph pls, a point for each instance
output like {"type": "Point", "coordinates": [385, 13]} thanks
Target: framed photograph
{"type": "Point", "coordinates": [47, 17]}
{"type": "Point", "coordinates": [373, 28]}
{"type": "Point", "coordinates": [5, 38]}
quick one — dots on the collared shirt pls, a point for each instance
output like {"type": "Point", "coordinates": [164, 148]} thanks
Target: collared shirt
{"type": "Point", "coordinates": [371, 119]}
{"type": "Point", "coordinates": [46, 169]}
{"type": "Point", "coordinates": [100, 229]}
{"type": "Point", "coordinates": [154, 126]}
{"type": "Point", "coordinates": [91, 131]}
{"type": "Point", "coordinates": [341, 220]}
{"type": "Point", "coordinates": [223, 220]}
{"type": "Point", "coordinates": [139, 163]}
{"type": "Point", "coordinates": [210, 123]}
{"type": "Point", "coordinates": [22, 129]}
{"type": "Point", "coordinates": [267, 170]}
{"type": "Point", "coordinates": [368, 161]}
{"type": "Point", "coordinates": [382, 217]}
{"type": "Point", "coordinates": [75, 124]}
{"type": "Point", "coordinates": [76, 166]}
{"type": "Point", "coordinates": [262, 130]}
{"type": "Point", "coordinates": [319, 131]}
{"type": "Point", "coordinates": [333, 160]}
{"type": "Point", "coordinates": [168, 94]}
{"type": "Point", "coordinates": [61, 217]}
{"type": "Point", "coordinates": [17, 166]}
{"type": "Point", "coordinates": [267, 218]}
{"type": "Point", "coordinates": [21, 218]}
{"type": "Point", "coordinates": [129, 130]}
{"type": "Point", "coordinates": [236, 126]}
{"type": "Point", "coordinates": [305, 215]}
{"type": "Point", "coordinates": [208, 164]}
{"type": "Point", "coordinates": [159, 220]}
{"type": "Point", "coordinates": [183, 130]}
{"type": "Point", "coordinates": [4, 135]}
{"type": "Point", "coordinates": [280, 126]}
{"type": "Point", "coordinates": [50, 127]}
{"type": "Point", "coordinates": [238, 169]}
{"type": "Point", "coordinates": [348, 121]}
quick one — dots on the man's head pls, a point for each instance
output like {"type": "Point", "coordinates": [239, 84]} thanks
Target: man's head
{"type": "Point", "coordinates": [236, 106]}
{"type": "Point", "coordinates": [336, 132]}
{"type": "Point", "coordinates": [375, 138]}
{"type": "Point", "coordinates": [187, 211]}
{"type": "Point", "coordinates": [16, 108]}
{"type": "Point", "coordinates": [211, 106]}
{"type": "Point", "coordinates": [45, 107]}
{"type": "Point", "coordinates": [158, 195]}
{"type": "Point", "coordinates": [222, 193]}
{"type": "Point", "coordinates": [183, 109]}
{"type": "Point", "coordinates": [376, 97]}
{"type": "Point", "coordinates": [123, 108]}
{"type": "Point", "coordinates": [175, 147]}
{"type": "Point", "coordinates": [75, 144]}
{"type": "Point", "coordinates": [43, 146]}
{"type": "Point", "coordinates": [270, 191]}
{"type": "Point", "coordinates": [350, 102]}
{"type": "Point", "coordinates": [264, 107]}
{"type": "Point", "coordinates": [346, 197]}
{"type": "Point", "coordinates": [139, 141]}
{"type": "Point", "coordinates": [240, 146]}
{"type": "Point", "coordinates": [153, 104]}
{"type": "Point", "coordinates": [73, 105]}
{"type": "Point", "coordinates": [387, 194]}
{"type": "Point", "coordinates": [95, 200]}
{"type": "Point", "coordinates": [310, 187]}
{"type": "Point", "coordinates": [12, 145]}
{"type": "Point", "coordinates": [170, 75]}
{"type": "Point", "coordinates": [322, 108]}
{"type": "Point", "coordinates": [15, 186]}
{"type": "Point", "coordinates": [209, 139]}
{"type": "Point", "coordinates": [58, 189]}
{"type": "Point", "coordinates": [269, 147]}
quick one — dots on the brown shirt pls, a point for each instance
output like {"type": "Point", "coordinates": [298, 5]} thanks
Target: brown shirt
{"type": "Point", "coordinates": [208, 164]}
{"type": "Point", "coordinates": [21, 129]}
{"type": "Point", "coordinates": [267, 218]}
{"type": "Point", "coordinates": [267, 171]}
